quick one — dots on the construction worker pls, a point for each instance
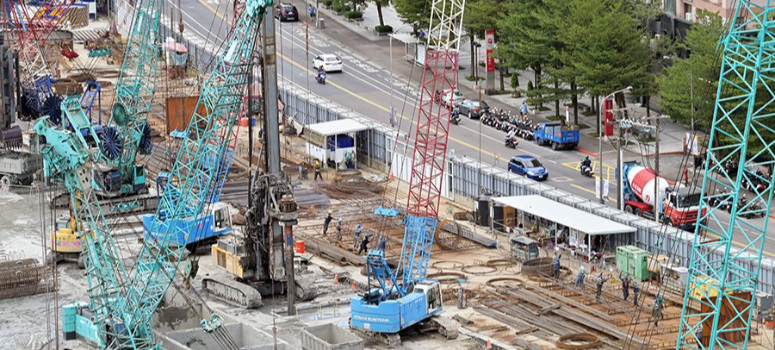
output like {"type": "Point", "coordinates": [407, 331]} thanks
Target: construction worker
{"type": "Point", "coordinates": [192, 268]}
{"type": "Point", "coordinates": [626, 286]}
{"type": "Point", "coordinates": [656, 310]}
{"type": "Point", "coordinates": [382, 243]}
{"type": "Point", "coordinates": [557, 266]}
{"type": "Point", "coordinates": [317, 171]}
{"type": "Point", "coordinates": [326, 222]}
{"type": "Point", "coordinates": [357, 238]}
{"type": "Point", "coordinates": [580, 277]}
{"type": "Point", "coordinates": [635, 292]}
{"type": "Point", "coordinates": [365, 244]}
{"type": "Point", "coordinates": [339, 229]}
{"type": "Point", "coordinates": [600, 282]}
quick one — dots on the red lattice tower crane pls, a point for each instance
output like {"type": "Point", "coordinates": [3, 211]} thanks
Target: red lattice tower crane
{"type": "Point", "coordinates": [432, 132]}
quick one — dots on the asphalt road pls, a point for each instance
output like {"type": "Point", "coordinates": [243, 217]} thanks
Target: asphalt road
{"type": "Point", "coordinates": [371, 90]}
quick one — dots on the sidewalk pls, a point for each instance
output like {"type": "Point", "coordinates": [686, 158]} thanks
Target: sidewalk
{"type": "Point", "coordinates": [377, 51]}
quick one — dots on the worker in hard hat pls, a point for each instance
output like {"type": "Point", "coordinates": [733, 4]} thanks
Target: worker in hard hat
{"type": "Point", "coordinates": [357, 236]}
{"type": "Point", "coordinates": [626, 286]}
{"type": "Point", "coordinates": [326, 222]}
{"type": "Point", "coordinates": [656, 310]}
{"type": "Point", "coordinates": [635, 292]}
{"type": "Point", "coordinates": [600, 282]}
{"type": "Point", "coordinates": [339, 229]}
{"type": "Point", "coordinates": [580, 277]}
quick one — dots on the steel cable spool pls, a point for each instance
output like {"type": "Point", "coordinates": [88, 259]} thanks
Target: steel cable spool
{"type": "Point", "coordinates": [52, 107]}
{"type": "Point", "coordinates": [146, 144]}
{"type": "Point", "coordinates": [112, 143]}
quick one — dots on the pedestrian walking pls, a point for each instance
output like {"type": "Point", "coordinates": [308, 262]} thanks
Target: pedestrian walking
{"type": "Point", "coordinates": [656, 310]}
{"type": "Point", "coordinates": [339, 230]}
{"type": "Point", "coordinates": [600, 282]}
{"type": "Point", "coordinates": [626, 286]}
{"type": "Point", "coordinates": [326, 222]}
{"type": "Point", "coordinates": [382, 243]}
{"type": "Point", "coordinates": [311, 11]}
{"type": "Point", "coordinates": [191, 269]}
{"type": "Point", "coordinates": [557, 266]}
{"type": "Point", "coordinates": [580, 278]}
{"type": "Point", "coordinates": [357, 238]}
{"type": "Point", "coordinates": [635, 292]}
{"type": "Point", "coordinates": [317, 171]}
{"type": "Point", "coordinates": [523, 109]}
{"type": "Point", "coordinates": [365, 244]}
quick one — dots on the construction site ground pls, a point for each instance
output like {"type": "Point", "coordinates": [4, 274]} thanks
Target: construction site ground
{"type": "Point", "coordinates": [505, 308]}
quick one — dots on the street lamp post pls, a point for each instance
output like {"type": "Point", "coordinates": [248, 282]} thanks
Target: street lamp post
{"type": "Point", "coordinates": [391, 67]}
{"type": "Point", "coordinates": [600, 141]}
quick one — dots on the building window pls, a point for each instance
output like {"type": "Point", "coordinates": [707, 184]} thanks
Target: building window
{"type": "Point", "coordinates": [688, 12]}
{"type": "Point", "coordinates": [670, 7]}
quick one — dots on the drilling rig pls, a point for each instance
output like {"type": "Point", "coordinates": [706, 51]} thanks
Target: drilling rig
{"type": "Point", "coordinates": [257, 260]}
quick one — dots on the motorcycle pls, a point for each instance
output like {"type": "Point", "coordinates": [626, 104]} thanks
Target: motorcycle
{"type": "Point", "coordinates": [511, 142]}
{"type": "Point", "coordinates": [586, 170]}
{"type": "Point", "coordinates": [321, 77]}
{"type": "Point", "coordinates": [454, 118]}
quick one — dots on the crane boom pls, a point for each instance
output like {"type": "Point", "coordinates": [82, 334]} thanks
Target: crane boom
{"type": "Point", "coordinates": [723, 279]}
{"type": "Point", "coordinates": [68, 159]}
{"type": "Point", "coordinates": [134, 95]}
{"type": "Point", "coordinates": [208, 134]}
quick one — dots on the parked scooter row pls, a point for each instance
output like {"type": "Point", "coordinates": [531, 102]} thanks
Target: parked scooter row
{"type": "Point", "coordinates": [724, 202]}
{"type": "Point", "coordinates": [507, 122]}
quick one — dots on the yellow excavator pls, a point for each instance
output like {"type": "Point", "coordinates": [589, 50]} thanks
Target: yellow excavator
{"type": "Point", "coordinates": [65, 241]}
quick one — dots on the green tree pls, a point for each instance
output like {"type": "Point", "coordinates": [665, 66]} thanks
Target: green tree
{"type": "Point", "coordinates": [480, 15]}
{"type": "Point", "coordinates": [609, 52]}
{"type": "Point", "coordinates": [522, 39]}
{"type": "Point", "coordinates": [414, 12]}
{"type": "Point", "coordinates": [693, 82]}
{"type": "Point", "coordinates": [379, 4]}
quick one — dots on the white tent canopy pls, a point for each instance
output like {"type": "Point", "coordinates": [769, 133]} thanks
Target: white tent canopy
{"type": "Point", "coordinates": [564, 215]}
{"type": "Point", "coordinates": [336, 127]}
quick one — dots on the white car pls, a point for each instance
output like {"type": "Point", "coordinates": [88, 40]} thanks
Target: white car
{"type": "Point", "coordinates": [330, 63]}
{"type": "Point", "coordinates": [454, 95]}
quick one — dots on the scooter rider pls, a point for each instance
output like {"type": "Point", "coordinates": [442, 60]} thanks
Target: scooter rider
{"type": "Point", "coordinates": [586, 166]}
{"type": "Point", "coordinates": [321, 75]}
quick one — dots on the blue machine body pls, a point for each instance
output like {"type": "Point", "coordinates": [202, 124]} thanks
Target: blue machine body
{"type": "Point", "coordinates": [200, 229]}
{"type": "Point", "coordinates": [390, 316]}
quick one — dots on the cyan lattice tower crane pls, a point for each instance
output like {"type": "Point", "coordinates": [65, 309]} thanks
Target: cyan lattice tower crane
{"type": "Point", "coordinates": [393, 307]}
{"type": "Point", "coordinates": [67, 158]}
{"type": "Point", "coordinates": [208, 137]}
{"type": "Point", "coordinates": [128, 132]}
{"type": "Point", "coordinates": [723, 278]}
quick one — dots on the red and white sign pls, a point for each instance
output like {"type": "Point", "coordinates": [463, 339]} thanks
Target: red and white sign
{"type": "Point", "coordinates": [489, 38]}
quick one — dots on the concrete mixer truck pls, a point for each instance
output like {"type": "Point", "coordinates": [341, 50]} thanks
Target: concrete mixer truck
{"type": "Point", "coordinates": [678, 205]}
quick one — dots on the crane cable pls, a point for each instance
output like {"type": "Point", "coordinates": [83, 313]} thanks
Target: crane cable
{"type": "Point", "coordinates": [672, 252]}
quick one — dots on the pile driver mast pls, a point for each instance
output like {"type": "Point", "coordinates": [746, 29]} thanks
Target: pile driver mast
{"type": "Point", "coordinates": [726, 278]}
{"type": "Point", "coordinates": [387, 310]}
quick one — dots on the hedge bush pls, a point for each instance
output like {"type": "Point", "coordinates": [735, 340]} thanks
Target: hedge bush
{"type": "Point", "coordinates": [353, 15]}
{"type": "Point", "coordinates": [328, 3]}
{"type": "Point", "coordinates": [338, 7]}
{"type": "Point", "coordinates": [383, 29]}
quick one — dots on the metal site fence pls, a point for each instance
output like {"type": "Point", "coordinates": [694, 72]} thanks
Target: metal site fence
{"type": "Point", "coordinates": [380, 146]}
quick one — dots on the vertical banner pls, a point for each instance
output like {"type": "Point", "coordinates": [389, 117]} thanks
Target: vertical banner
{"type": "Point", "coordinates": [608, 114]}
{"type": "Point", "coordinates": [489, 38]}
